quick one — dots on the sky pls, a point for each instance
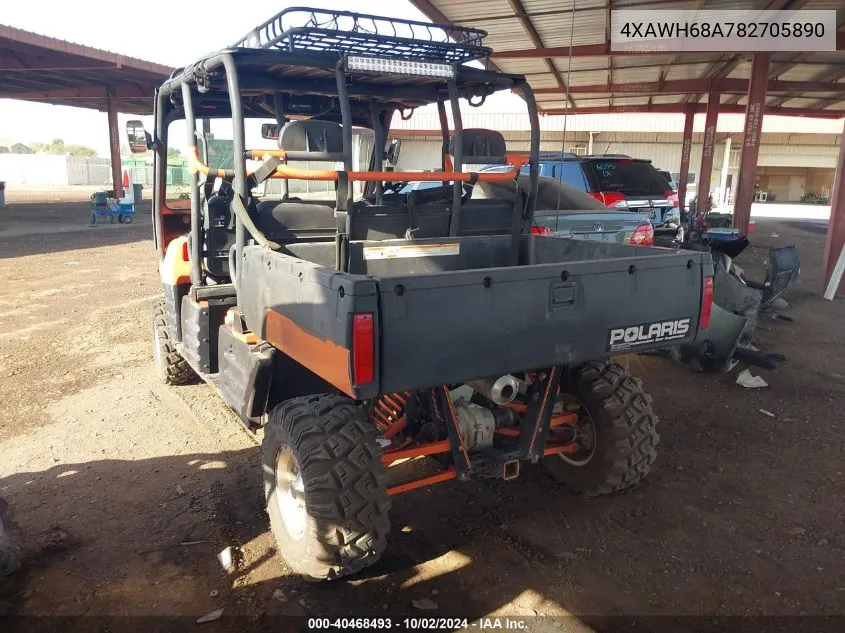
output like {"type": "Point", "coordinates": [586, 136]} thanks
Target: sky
{"type": "Point", "coordinates": [190, 31]}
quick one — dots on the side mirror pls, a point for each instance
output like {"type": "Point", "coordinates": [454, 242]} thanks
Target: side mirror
{"type": "Point", "coordinates": [270, 130]}
{"type": "Point", "coordinates": [139, 139]}
{"type": "Point", "coordinates": [393, 152]}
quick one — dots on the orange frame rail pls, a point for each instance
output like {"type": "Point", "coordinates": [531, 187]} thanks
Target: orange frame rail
{"type": "Point", "coordinates": [433, 448]}
{"type": "Point", "coordinates": [195, 165]}
{"type": "Point", "coordinates": [446, 475]}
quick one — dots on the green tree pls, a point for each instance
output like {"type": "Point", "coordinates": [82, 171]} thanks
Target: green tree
{"type": "Point", "coordinates": [173, 155]}
{"type": "Point", "coordinates": [57, 146]}
{"type": "Point", "coordinates": [79, 150]}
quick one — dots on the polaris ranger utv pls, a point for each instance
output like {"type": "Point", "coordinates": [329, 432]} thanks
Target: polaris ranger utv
{"type": "Point", "coordinates": [363, 331]}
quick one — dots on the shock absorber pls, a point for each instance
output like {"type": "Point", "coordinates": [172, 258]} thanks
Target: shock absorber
{"type": "Point", "coordinates": [389, 413]}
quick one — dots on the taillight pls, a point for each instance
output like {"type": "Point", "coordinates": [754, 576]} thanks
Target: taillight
{"type": "Point", "coordinates": [643, 235]}
{"type": "Point", "coordinates": [672, 197]}
{"type": "Point", "coordinates": [751, 226]}
{"type": "Point", "coordinates": [706, 304]}
{"type": "Point", "coordinates": [185, 254]}
{"type": "Point", "coordinates": [363, 349]}
{"type": "Point", "coordinates": [611, 198]}
{"type": "Point", "coordinates": [541, 230]}
{"type": "Point", "coordinates": [608, 199]}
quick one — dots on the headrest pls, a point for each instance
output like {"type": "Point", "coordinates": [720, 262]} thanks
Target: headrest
{"type": "Point", "coordinates": [482, 146]}
{"type": "Point", "coordinates": [312, 137]}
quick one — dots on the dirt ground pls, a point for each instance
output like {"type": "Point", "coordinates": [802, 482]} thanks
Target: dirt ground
{"type": "Point", "coordinates": [127, 490]}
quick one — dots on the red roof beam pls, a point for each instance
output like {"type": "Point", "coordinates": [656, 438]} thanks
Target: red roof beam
{"type": "Point", "coordinates": [678, 108]}
{"type": "Point", "coordinates": [83, 92]}
{"type": "Point", "coordinates": [10, 35]}
{"type": "Point", "coordinates": [683, 86]}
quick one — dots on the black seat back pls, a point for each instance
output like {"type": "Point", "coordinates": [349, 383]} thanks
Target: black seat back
{"type": "Point", "coordinates": [219, 236]}
{"type": "Point", "coordinates": [295, 221]}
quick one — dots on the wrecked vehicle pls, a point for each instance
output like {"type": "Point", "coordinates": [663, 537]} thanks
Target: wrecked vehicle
{"type": "Point", "coordinates": [738, 305]}
{"type": "Point", "coordinates": [358, 332]}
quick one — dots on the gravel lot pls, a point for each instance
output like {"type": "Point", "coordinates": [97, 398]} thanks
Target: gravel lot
{"type": "Point", "coordinates": [127, 490]}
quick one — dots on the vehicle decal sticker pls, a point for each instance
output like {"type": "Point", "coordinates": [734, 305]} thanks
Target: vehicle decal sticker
{"type": "Point", "coordinates": [411, 250]}
{"type": "Point", "coordinates": [632, 336]}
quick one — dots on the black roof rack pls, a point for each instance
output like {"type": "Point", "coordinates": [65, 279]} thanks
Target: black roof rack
{"type": "Point", "coordinates": [324, 30]}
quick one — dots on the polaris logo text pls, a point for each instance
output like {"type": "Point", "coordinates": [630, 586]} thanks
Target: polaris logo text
{"type": "Point", "coordinates": [635, 335]}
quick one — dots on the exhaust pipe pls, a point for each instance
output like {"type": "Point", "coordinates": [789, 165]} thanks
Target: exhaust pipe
{"type": "Point", "coordinates": [501, 390]}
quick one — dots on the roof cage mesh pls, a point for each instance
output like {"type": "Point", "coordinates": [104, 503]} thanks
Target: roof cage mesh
{"type": "Point", "coordinates": [304, 29]}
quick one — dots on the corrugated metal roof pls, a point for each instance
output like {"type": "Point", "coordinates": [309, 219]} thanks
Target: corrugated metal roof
{"type": "Point", "coordinates": [589, 78]}
{"type": "Point", "coordinates": [523, 66]}
{"type": "Point", "coordinates": [686, 71]}
{"type": "Point", "coordinates": [630, 100]}
{"type": "Point", "coordinates": [534, 31]}
{"type": "Point", "coordinates": [638, 75]}
{"type": "Point", "coordinates": [555, 30]}
{"type": "Point", "coordinates": [803, 72]}
{"type": "Point", "coordinates": [470, 10]}
{"type": "Point", "coordinates": [51, 70]}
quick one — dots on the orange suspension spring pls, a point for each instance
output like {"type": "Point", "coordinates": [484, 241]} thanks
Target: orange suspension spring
{"type": "Point", "coordinates": [389, 412]}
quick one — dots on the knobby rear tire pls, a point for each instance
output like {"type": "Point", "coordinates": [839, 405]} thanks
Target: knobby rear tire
{"type": "Point", "coordinates": [344, 482]}
{"type": "Point", "coordinates": [626, 435]}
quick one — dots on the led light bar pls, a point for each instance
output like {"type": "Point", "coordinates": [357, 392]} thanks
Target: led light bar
{"type": "Point", "coordinates": [399, 67]}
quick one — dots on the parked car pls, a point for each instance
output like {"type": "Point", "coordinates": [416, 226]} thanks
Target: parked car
{"type": "Point", "coordinates": [620, 182]}
{"type": "Point", "coordinates": [564, 211]}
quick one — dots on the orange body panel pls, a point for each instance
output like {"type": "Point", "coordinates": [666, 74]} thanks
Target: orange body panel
{"type": "Point", "coordinates": [325, 358]}
{"type": "Point", "coordinates": [175, 269]}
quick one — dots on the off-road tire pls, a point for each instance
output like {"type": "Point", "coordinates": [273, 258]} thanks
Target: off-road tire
{"type": "Point", "coordinates": [625, 430]}
{"type": "Point", "coordinates": [11, 546]}
{"type": "Point", "coordinates": [171, 367]}
{"type": "Point", "coordinates": [344, 482]}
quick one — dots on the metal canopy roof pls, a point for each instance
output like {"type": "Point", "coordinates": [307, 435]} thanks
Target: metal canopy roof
{"type": "Point", "coordinates": [532, 37]}
{"type": "Point", "coordinates": [38, 68]}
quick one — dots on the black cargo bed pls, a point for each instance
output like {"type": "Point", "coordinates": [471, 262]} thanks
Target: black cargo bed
{"type": "Point", "coordinates": [452, 309]}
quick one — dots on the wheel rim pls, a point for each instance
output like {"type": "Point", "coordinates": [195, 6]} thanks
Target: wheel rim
{"type": "Point", "coordinates": [585, 434]}
{"type": "Point", "coordinates": [290, 493]}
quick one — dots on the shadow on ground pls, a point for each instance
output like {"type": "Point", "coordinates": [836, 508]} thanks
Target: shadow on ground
{"type": "Point", "coordinates": [41, 228]}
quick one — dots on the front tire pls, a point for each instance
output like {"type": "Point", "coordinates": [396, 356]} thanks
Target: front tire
{"type": "Point", "coordinates": [616, 427]}
{"type": "Point", "coordinates": [171, 367]}
{"type": "Point", "coordinates": [325, 486]}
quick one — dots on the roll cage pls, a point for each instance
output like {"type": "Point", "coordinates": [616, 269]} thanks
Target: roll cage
{"type": "Point", "coordinates": [352, 69]}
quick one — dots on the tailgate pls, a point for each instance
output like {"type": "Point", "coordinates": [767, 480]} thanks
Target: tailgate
{"type": "Point", "coordinates": [454, 326]}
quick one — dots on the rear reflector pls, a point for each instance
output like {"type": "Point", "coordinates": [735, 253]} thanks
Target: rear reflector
{"type": "Point", "coordinates": [706, 304]}
{"type": "Point", "coordinates": [185, 254]}
{"type": "Point", "coordinates": [363, 349]}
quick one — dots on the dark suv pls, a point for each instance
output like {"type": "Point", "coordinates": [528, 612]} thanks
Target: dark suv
{"type": "Point", "coordinates": [620, 182]}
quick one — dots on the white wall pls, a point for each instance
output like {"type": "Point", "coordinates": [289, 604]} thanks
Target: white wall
{"type": "Point", "coordinates": [33, 169]}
